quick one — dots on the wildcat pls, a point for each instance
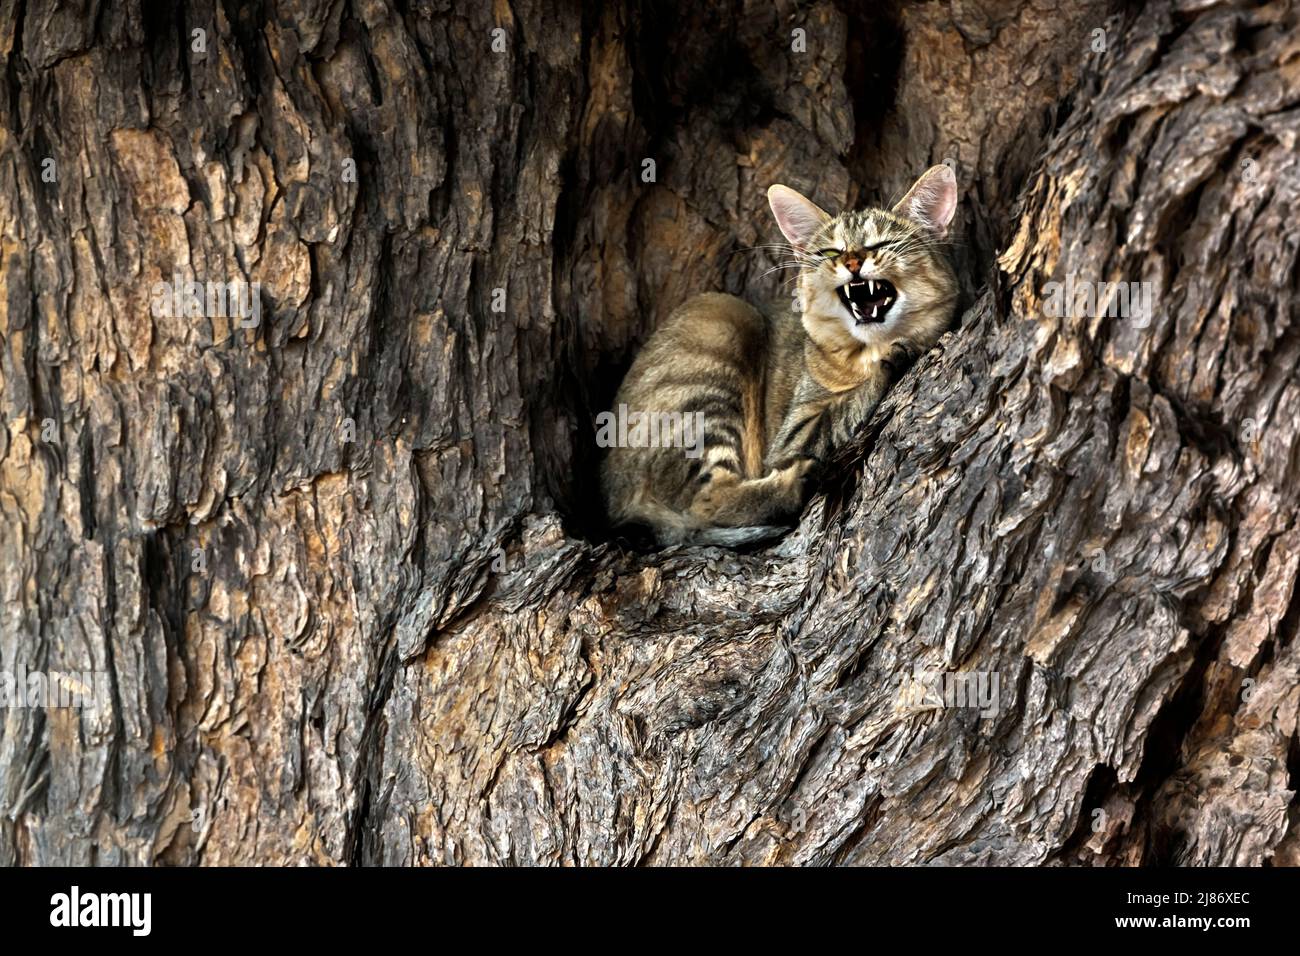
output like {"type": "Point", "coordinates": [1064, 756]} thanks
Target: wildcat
{"type": "Point", "coordinates": [774, 395]}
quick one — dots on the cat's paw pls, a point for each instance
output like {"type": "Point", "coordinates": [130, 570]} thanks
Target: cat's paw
{"type": "Point", "coordinates": [794, 474]}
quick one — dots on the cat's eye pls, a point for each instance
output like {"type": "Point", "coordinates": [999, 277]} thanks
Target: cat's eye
{"type": "Point", "coordinates": [830, 253]}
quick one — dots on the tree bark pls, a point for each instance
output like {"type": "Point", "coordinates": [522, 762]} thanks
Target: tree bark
{"type": "Point", "coordinates": [345, 571]}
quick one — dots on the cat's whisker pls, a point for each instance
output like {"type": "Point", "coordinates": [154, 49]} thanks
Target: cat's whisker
{"type": "Point", "coordinates": [778, 269]}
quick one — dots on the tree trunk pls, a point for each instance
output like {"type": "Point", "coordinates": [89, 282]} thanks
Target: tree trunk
{"type": "Point", "coordinates": [343, 567]}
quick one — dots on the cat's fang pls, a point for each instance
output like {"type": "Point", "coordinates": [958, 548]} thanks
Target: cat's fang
{"type": "Point", "coordinates": [867, 300]}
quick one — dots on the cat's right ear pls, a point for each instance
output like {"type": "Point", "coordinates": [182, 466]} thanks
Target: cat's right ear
{"type": "Point", "coordinates": [798, 216]}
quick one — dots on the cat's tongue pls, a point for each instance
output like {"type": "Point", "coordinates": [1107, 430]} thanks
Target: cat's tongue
{"type": "Point", "coordinates": [869, 299]}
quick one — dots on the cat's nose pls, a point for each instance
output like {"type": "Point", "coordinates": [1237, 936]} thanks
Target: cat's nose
{"type": "Point", "coordinates": [853, 262]}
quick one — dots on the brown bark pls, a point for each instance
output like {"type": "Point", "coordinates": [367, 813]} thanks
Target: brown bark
{"type": "Point", "coordinates": [420, 646]}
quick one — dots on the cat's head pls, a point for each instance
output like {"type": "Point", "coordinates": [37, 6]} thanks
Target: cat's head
{"type": "Point", "coordinates": [874, 277]}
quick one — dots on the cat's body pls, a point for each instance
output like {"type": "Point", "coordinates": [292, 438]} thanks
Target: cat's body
{"type": "Point", "coordinates": [776, 395]}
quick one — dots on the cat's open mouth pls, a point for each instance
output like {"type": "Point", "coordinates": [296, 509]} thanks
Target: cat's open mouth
{"type": "Point", "coordinates": [868, 299]}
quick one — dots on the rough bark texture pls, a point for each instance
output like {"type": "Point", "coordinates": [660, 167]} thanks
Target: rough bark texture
{"type": "Point", "coordinates": [420, 647]}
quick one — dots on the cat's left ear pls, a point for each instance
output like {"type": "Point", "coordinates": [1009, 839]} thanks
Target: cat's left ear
{"type": "Point", "coordinates": [932, 200]}
{"type": "Point", "coordinates": [798, 216]}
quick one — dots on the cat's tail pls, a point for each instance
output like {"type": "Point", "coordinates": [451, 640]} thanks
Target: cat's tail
{"type": "Point", "coordinates": [671, 527]}
{"type": "Point", "coordinates": [735, 537]}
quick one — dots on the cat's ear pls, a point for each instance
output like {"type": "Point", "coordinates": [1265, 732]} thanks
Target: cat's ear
{"type": "Point", "coordinates": [932, 200]}
{"type": "Point", "coordinates": [798, 217]}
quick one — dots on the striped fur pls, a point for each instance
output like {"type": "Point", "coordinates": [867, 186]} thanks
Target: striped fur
{"type": "Point", "coordinates": [778, 395]}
